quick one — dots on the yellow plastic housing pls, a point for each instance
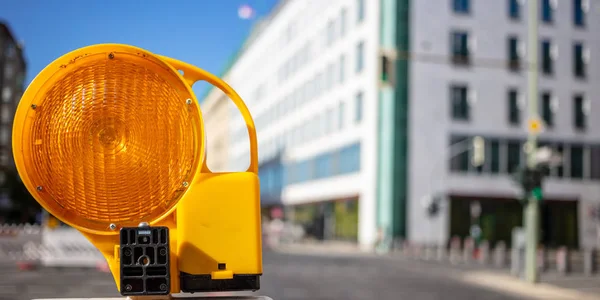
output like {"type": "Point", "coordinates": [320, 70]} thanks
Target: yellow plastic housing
{"type": "Point", "coordinates": [218, 221]}
{"type": "Point", "coordinates": [111, 135]}
{"type": "Point", "coordinates": [108, 134]}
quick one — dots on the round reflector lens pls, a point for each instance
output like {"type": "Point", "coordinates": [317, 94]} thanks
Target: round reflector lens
{"type": "Point", "coordinates": [111, 138]}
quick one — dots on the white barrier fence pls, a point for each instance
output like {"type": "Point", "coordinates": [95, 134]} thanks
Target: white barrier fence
{"type": "Point", "coordinates": [59, 247]}
{"type": "Point", "coordinates": [464, 251]}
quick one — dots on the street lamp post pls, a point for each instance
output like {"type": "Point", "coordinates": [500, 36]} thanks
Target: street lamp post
{"type": "Point", "coordinates": [531, 212]}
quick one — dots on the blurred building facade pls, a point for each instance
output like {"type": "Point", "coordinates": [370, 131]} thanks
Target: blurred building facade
{"type": "Point", "coordinates": [12, 76]}
{"type": "Point", "coordinates": [480, 89]}
{"type": "Point", "coordinates": [357, 102]}
{"type": "Point", "coordinates": [309, 93]}
{"type": "Point", "coordinates": [216, 111]}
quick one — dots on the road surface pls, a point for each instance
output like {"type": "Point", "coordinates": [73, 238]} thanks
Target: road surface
{"type": "Point", "coordinates": [287, 277]}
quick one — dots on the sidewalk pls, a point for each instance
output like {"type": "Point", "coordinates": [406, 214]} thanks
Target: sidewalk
{"type": "Point", "coordinates": [324, 248]}
{"type": "Point", "coordinates": [544, 290]}
{"type": "Point", "coordinates": [552, 286]}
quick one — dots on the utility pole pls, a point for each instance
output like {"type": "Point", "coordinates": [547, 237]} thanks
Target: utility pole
{"type": "Point", "coordinates": [531, 211]}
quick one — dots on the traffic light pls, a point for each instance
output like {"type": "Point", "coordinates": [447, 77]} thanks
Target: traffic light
{"type": "Point", "coordinates": [530, 180]}
{"type": "Point", "coordinates": [110, 139]}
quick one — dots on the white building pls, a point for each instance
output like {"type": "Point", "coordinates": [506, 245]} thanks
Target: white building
{"type": "Point", "coordinates": [356, 103]}
{"type": "Point", "coordinates": [215, 109]}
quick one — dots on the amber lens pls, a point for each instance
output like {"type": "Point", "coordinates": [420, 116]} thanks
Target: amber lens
{"type": "Point", "coordinates": [112, 140]}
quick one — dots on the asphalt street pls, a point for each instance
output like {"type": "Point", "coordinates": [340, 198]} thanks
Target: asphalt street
{"type": "Point", "coordinates": [286, 276]}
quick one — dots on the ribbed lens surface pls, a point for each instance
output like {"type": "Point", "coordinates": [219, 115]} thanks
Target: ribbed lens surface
{"type": "Point", "coordinates": [113, 141]}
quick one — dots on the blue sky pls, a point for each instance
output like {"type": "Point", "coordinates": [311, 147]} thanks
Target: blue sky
{"type": "Point", "coordinates": [205, 33]}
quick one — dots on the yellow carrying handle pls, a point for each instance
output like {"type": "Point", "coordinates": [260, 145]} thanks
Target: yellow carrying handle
{"type": "Point", "coordinates": [192, 74]}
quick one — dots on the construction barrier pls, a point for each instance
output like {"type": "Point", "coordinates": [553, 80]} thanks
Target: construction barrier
{"type": "Point", "coordinates": [463, 251]}
{"type": "Point", "coordinates": [31, 245]}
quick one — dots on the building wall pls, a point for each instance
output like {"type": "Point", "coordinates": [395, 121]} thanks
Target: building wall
{"type": "Point", "coordinates": [12, 75]}
{"type": "Point", "coordinates": [215, 112]}
{"type": "Point", "coordinates": [489, 79]}
{"type": "Point", "coordinates": [12, 72]}
{"type": "Point", "coordinates": [283, 77]}
{"type": "Point", "coordinates": [281, 73]}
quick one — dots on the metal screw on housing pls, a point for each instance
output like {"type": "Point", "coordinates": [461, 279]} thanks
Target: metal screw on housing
{"type": "Point", "coordinates": [144, 224]}
{"type": "Point", "coordinates": [188, 101]}
{"type": "Point", "coordinates": [185, 184]}
{"type": "Point", "coordinates": [112, 226]}
{"type": "Point", "coordinates": [33, 106]}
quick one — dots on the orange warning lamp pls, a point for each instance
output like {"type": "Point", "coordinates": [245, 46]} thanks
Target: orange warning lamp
{"type": "Point", "coordinates": [110, 139]}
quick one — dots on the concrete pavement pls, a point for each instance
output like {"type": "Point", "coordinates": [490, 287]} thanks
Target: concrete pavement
{"type": "Point", "coordinates": [300, 276]}
{"type": "Point", "coordinates": [286, 276]}
{"type": "Point", "coordinates": [553, 286]}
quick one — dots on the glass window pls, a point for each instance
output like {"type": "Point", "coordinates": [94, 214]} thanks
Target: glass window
{"type": "Point", "coordinates": [289, 174]}
{"type": "Point", "coordinates": [387, 69]}
{"type": "Point", "coordinates": [11, 50]}
{"type": "Point", "coordinates": [349, 159]}
{"type": "Point", "coordinates": [579, 64]}
{"type": "Point", "coordinates": [459, 162]}
{"type": "Point", "coordinates": [514, 9]}
{"type": "Point", "coordinates": [547, 60]}
{"type": "Point", "coordinates": [5, 114]}
{"type": "Point", "coordinates": [514, 155]}
{"type": "Point", "coordinates": [360, 57]}
{"type": "Point", "coordinates": [341, 114]}
{"type": "Point", "coordinates": [360, 10]}
{"type": "Point", "coordinates": [560, 168]}
{"type": "Point", "coordinates": [595, 162]}
{"type": "Point", "coordinates": [547, 111]}
{"type": "Point", "coordinates": [304, 171]}
{"type": "Point", "coordinates": [279, 177]}
{"type": "Point", "coordinates": [330, 32]}
{"type": "Point", "coordinates": [323, 167]}
{"type": "Point", "coordinates": [547, 11]}
{"type": "Point", "coordinates": [579, 112]}
{"type": "Point", "coordinates": [460, 47]}
{"type": "Point", "coordinates": [514, 113]}
{"type": "Point", "coordinates": [9, 70]}
{"type": "Point", "coordinates": [579, 16]}
{"type": "Point", "coordinates": [329, 121]}
{"type": "Point", "coordinates": [343, 17]}
{"type": "Point", "coordinates": [20, 80]}
{"type": "Point", "coordinates": [4, 135]}
{"type": "Point", "coordinates": [494, 156]}
{"type": "Point", "coordinates": [7, 94]}
{"type": "Point", "coordinates": [514, 59]}
{"type": "Point", "coordinates": [461, 6]}
{"type": "Point", "coordinates": [576, 161]}
{"type": "Point", "coordinates": [358, 106]}
{"type": "Point", "coordinates": [341, 76]}
{"type": "Point", "coordinates": [459, 102]}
